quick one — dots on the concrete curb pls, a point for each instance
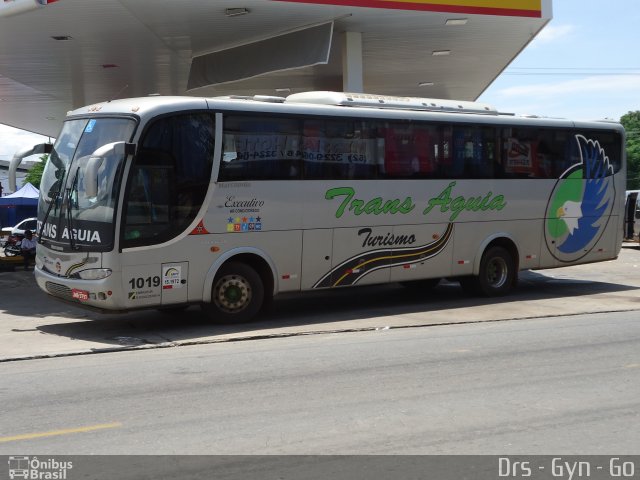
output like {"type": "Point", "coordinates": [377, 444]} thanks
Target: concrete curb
{"type": "Point", "coordinates": [105, 350]}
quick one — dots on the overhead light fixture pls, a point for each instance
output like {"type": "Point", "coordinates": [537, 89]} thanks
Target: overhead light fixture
{"type": "Point", "coordinates": [456, 21]}
{"type": "Point", "coordinates": [441, 53]}
{"type": "Point", "coordinates": [283, 90]}
{"type": "Point", "coordinates": [236, 12]}
{"type": "Point", "coordinates": [425, 84]}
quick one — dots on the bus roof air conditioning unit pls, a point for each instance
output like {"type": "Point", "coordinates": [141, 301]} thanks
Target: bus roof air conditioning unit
{"type": "Point", "coordinates": [386, 101]}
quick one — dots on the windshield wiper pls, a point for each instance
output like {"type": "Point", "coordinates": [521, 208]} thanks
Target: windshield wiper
{"type": "Point", "coordinates": [54, 199]}
{"type": "Point", "coordinates": [72, 240]}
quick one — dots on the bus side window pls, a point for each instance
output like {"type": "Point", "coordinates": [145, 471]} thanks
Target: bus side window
{"type": "Point", "coordinates": [611, 143]}
{"type": "Point", "coordinates": [344, 149]}
{"type": "Point", "coordinates": [520, 152]}
{"type": "Point", "coordinates": [475, 153]}
{"type": "Point", "coordinates": [260, 148]}
{"type": "Point", "coordinates": [442, 151]}
{"type": "Point", "coordinates": [409, 150]}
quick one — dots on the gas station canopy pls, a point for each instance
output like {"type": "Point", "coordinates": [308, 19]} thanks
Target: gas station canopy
{"type": "Point", "coordinates": [57, 55]}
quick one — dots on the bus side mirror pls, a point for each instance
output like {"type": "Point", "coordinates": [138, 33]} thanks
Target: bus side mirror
{"type": "Point", "coordinates": [17, 159]}
{"type": "Point", "coordinates": [96, 159]}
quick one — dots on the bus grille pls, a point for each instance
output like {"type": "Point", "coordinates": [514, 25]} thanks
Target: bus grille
{"type": "Point", "coordinates": [58, 290]}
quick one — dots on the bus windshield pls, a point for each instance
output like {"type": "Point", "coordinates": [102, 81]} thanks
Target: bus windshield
{"type": "Point", "coordinates": [69, 216]}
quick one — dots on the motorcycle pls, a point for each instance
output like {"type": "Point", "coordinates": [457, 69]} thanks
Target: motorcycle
{"type": "Point", "coordinates": [12, 245]}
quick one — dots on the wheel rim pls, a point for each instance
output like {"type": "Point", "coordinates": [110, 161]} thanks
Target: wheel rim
{"type": "Point", "coordinates": [497, 272]}
{"type": "Point", "coordinates": [232, 293]}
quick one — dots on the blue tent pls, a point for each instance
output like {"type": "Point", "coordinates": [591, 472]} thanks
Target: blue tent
{"type": "Point", "coordinates": [19, 205]}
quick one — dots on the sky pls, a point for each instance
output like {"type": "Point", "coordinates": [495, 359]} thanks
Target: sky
{"type": "Point", "coordinates": [584, 65]}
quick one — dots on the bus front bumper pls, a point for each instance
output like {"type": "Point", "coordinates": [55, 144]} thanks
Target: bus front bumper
{"type": "Point", "coordinates": [92, 294]}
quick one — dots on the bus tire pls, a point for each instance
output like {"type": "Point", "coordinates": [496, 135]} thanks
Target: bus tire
{"type": "Point", "coordinates": [237, 294]}
{"type": "Point", "coordinates": [497, 273]}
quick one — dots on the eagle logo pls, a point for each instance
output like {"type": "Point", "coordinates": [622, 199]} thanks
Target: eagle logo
{"type": "Point", "coordinates": [580, 204]}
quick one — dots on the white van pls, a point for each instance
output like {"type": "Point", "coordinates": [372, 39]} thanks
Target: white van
{"type": "Point", "coordinates": [26, 224]}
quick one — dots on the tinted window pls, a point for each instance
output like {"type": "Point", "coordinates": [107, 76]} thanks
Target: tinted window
{"type": "Point", "coordinates": [340, 149]}
{"type": "Point", "coordinates": [276, 148]}
{"type": "Point", "coordinates": [169, 178]}
{"type": "Point", "coordinates": [611, 142]}
{"type": "Point", "coordinates": [546, 153]}
{"type": "Point", "coordinates": [260, 148]}
{"type": "Point", "coordinates": [409, 150]}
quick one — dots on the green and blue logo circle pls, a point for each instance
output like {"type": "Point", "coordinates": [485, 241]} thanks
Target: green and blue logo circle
{"type": "Point", "coordinates": [580, 204]}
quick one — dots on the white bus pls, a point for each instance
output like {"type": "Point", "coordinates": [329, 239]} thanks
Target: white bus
{"type": "Point", "coordinates": [164, 202]}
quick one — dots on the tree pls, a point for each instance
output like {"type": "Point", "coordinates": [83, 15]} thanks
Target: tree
{"type": "Point", "coordinates": [631, 123]}
{"type": "Point", "coordinates": [35, 173]}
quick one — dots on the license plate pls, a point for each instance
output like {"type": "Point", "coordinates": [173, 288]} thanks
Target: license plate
{"type": "Point", "coordinates": [81, 295]}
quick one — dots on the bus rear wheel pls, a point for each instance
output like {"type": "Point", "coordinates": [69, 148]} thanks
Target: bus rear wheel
{"type": "Point", "coordinates": [497, 274]}
{"type": "Point", "coordinates": [237, 294]}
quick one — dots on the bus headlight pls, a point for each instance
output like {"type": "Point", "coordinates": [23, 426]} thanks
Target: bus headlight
{"type": "Point", "coordinates": [92, 274]}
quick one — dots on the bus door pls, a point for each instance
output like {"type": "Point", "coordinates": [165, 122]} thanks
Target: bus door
{"type": "Point", "coordinates": [317, 252]}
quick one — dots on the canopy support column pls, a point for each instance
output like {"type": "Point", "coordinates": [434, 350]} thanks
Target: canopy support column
{"type": "Point", "coordinates": [352, 71]}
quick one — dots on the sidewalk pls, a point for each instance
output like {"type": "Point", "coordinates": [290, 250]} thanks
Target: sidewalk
{"type": "Point", "coordinates": [10, 264]}
{"type": "Point", "coordinates": [34, 325]}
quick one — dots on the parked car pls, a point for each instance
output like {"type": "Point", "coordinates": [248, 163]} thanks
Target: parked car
{"type": "Point", "coordinates": [19, 229]}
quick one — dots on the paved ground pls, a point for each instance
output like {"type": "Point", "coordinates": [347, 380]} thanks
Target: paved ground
{"type": "Point", "coordinates": [33, 325]}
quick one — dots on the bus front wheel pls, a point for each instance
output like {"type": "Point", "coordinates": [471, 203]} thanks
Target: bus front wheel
{"type": "Point", "coordinates": [237, 294]}
{"type": "Point", "coordinates": [497, 274]}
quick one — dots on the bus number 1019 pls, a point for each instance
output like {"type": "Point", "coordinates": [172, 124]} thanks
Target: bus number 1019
{"type": "Point", "coordinates": [148, 282]}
